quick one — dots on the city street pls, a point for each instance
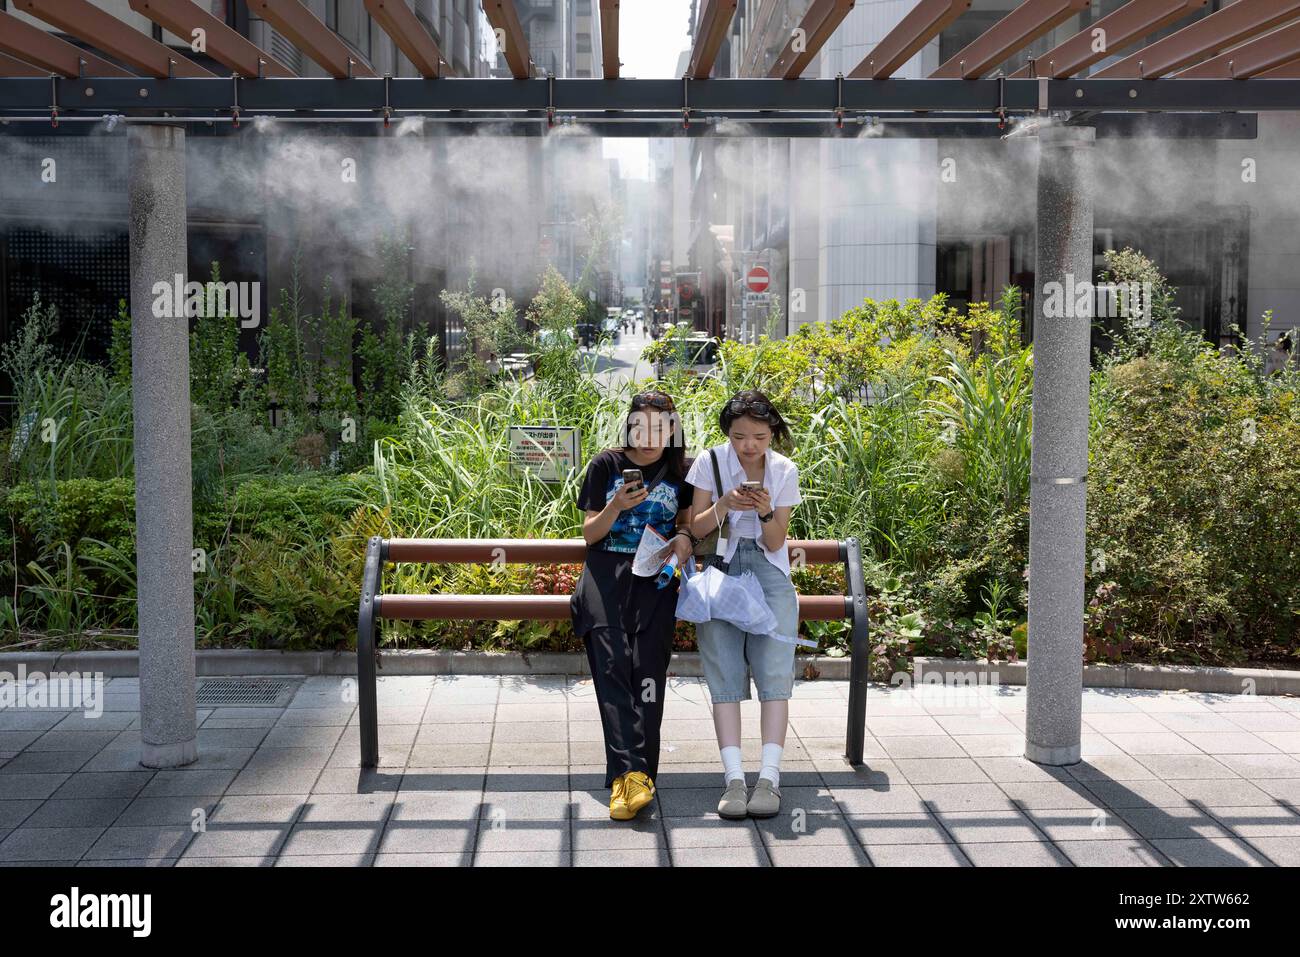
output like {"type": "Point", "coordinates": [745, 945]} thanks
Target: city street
{"type": "Point", "coordinates": [625, 363]}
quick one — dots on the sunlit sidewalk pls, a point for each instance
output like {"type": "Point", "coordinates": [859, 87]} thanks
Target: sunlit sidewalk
{"type": "Point", "coordinates": [487, 770]}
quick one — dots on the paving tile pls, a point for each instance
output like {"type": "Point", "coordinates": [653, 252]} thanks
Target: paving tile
{"type": "Point", "coordinates": [333, 837]}
{"type": "Point", "coordinates": [449, 859]}
{"type": "Point", "coordinates": [442, 779]}
{"type": "Point", "coordinates": [941, 771]}
{"type": "Point", "coordinates": [158, 811]}
{"type": "Point", "coordinates": [992, 745]}
{"type": "Point", "coordinates": [273, 781]}
{"type": "Point", "coordinates": [72, 740]}
{"type": "Point", "coordinates": [1282, 851]}
{"type": "Point", "coordinates": [1251, 822]}
{"type": "Point", "coordinates": [1121, 853]}
{"type": "Point", "coordinates": [325, 860]}
{"type": "Point", "coordinates": [510, 806]}
{"type": "Point", "coordinates": [181, 783]}
{"type": "Point", "coordinates": [140, 842]}
{"type": "Point", "coordinates": [429, 836]}
{"type": "Point", "coordinates": [496, 836]}
{"type": "Point", "coordinates": [13, 813]}
{"type": "Point", "coordinates": [895, 799]}
{"type": "Point", "coordinates": [730, 856]}
{"type": "Point", "coordinates": [1153, 742]}
{"type": "Point", "coordinates": [449, 755]}
{"type": "Point", "coordinates": [1231, 742]}
{"type": "Point", "coordinates": [48, 843]}
{"type": "Point", "coordinates": [237, 840]}
{"type": "Point", "coordinates": [642, 833]}
{"type": "Point", "coordinates": [695, 832]}
{"type": "Point", "coordinates": [980, 827]}
{"type": "Point", "coordinates": [1111, 767]}
{"type": "Point", "coordinates": [924, 746]}
{"type": "Point", "coordinates": [1177, 823]}
{"type": "Point", "coordinates": [1210, 852]}
{"type": "Point", "coordinates": [901, 828]}
{"type": "Point", "coordinates": [549, 858]}
{"type": "Point", "coordinates": [1049, 794]}
{"type": "Point", "coordinates": [1224, 793]}
{"type": "Point", "coordinates": [349, 808]}
{"type": "Point", "coordinates": [1016, 770]}
{"type": "Point", "coordinates": [39, 762]}
{"type": "Point", "coordinates": [917, 855]}
{"type": "Point", "coordinates": [1261, 765]}
{"type": "Point", "coordinates": [1016, 854]}
{"type": "Point", "coordinates": [826, 855]}
{"type": "Point", "coordinates": [37, 786]}
{"type": "Point", "coordinates": [786, 830]}
{"type": "Point", "coordinates": [545, 778]}
{"type": "Point", "coordinates": [1081, 824]}
{"type": "Point", "coordinates": [78, 812]}
{"type": "Point", "coordinates": [640, 857]}
{"type": "Point", "coordinates": [87, 784]}
{"type": "Point", "coordinates": [1135, 794]}
{"type": "Point", "coordinates": [965, 797]}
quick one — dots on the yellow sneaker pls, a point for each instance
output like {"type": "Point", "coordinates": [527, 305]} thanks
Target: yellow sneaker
{"type": "Point", "coordinates": [638, 791]}
{"type": "Point", "coordinates": [618, 802]}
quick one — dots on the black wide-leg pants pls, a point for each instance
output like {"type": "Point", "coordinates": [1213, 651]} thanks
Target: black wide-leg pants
{"type": "Point", "coordinates": [629, 646]}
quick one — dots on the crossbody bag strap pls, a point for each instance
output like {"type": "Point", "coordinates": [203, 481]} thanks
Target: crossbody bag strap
{"type": "Point", "coordinates": [717, 485]}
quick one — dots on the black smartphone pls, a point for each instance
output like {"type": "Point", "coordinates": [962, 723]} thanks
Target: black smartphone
{"type": "Point", "coordinates": [632, 477]}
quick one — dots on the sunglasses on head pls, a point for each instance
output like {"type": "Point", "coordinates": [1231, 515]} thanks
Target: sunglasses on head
{"type": "Point", "coordinates": [748, 407]}
{"type": "Point", "coordinates": [651, 399]}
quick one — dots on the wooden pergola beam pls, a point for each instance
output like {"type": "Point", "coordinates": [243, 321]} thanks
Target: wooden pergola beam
{"type": "Point", "coordinates": [306, 31]}
{"type": "Point", "coordinates": [505, 23]}
{"type": "Point", "coordinates": [106, 32]}
{"type": "Point", "coordinates": [923, 23]}
{"type": "Point", "coordinates": [609, 39]}
{"type": "Point", "coordinates": [400, 22]}
{"type": "Point", "coordinates": [715, 21]}
{"type": "Point", "coordinates": [818, 23]}
{"type": "Point", "coordinates": [1022, 26]}
{"type": "Point", "coordinates": [1122, 28]}
{"type": "Point", "coordinates": [20, 39]}
{"type": "Point", "coordinates": [1213, 34]}
{"type": "Point", "coordinates": [11, 66]}
{"type": "Point", "coordinates": [1257, 56]}
{"type": "Point", "coordinates": [221, 43]}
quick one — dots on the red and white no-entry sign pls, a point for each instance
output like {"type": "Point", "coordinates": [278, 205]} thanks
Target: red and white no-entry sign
{"type": "Point", "coordinates": [757, 279]}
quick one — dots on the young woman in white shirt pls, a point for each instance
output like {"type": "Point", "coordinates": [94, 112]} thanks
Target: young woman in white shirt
{"type": "Point", "coordinates": [759, 517]}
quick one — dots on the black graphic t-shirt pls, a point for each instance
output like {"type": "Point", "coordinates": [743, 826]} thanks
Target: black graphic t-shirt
{"type": "Point", "coordinates": [608, 594]}
{"type": "Point", "coordinates": [667, 497]}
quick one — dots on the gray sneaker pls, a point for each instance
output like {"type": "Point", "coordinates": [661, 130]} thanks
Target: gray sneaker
{"type": "Point", "coordinates": [732, 806]}
{"type": "Point", "coordinates": [766, 799]}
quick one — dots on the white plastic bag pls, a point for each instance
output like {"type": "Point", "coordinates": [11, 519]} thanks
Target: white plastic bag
{"type": "Point", "coordinates": [712, 595]}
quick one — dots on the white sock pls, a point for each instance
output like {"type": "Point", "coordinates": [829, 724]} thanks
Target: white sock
{"type": "Point", "coordinates": [731, 770]}
{"type": "Point", "coordinates": [771, 768]}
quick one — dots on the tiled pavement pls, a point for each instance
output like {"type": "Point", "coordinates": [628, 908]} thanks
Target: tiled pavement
{"type": "Point", "coordinates": [486, 770]}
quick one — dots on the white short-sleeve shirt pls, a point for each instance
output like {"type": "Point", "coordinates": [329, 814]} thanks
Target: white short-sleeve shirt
{"type": "Point", "coordinates": [780, 478]}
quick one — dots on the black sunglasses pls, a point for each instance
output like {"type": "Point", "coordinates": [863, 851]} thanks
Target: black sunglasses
{"type": "Point", "coordinates": [746, 407]}
{"type": "Point", "coordinates": [649, 398]}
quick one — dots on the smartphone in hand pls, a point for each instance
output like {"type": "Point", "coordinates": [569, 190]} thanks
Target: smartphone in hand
{"type": "Point", "coordinates": [751, 486]}
{"type": "Point", "coordinates": [632, 477]}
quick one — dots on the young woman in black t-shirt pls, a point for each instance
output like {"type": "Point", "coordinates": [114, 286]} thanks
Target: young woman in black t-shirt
{"type": "Point", "coordinates": [625, 621]}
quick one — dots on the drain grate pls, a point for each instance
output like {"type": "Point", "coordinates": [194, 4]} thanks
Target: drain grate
{"type": "Point", "coordinates": [249, 692]}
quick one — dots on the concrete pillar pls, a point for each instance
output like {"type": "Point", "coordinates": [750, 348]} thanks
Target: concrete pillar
{"type": "Point", "coordinates": [1059, 464]}
{"type": "Point", "coordinates": [160, 373]}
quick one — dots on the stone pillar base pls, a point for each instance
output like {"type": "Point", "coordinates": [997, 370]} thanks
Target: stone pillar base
{"type": "Point", "coordinates": [1056, 757]}
{"type": "Point", "coordinates": [175, 755]}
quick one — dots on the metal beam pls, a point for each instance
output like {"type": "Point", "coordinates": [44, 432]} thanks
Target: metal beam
{"type": "Point", "coordinates": [715, 21]}
{"type": "Point", "coordinates": [922, 24]}
{"type": "Point", "coordinates": [305, 31]}
{"type": "Point", "coordinates": [587, 99]}
{"type": "Point", "coordinates": [816, 27]}
{"type": "Point", "coordinates": [1206, 37]}
{"type": "Point", "coordinates": [1289, 71]}
{"type": "Point", "coordinates": [400, 22]}
{"type": "Point", "coordinates": [1120, 29]}
{"type": "Point", "coordinates": [20, 39]}
{"type": "Point", "coordinates": [223, 44]}
{"type": "Point", "coordinates": [1022, 26]}
{"type": "Point", "coordinates": [106, 32]}
{"type": "Point", "coordinates": [1258, 56]}
{"type": "Point", "coordinates": [511, 40]}
{"type": "Point", "coordinates": [609, 38]}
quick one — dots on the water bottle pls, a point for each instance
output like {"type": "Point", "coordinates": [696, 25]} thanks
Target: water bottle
{"type": "Point", "coordinates": [667, 572]}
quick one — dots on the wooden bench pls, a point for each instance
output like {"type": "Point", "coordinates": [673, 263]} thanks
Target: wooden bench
{"type": "Point", "coordinates": [529, 551]}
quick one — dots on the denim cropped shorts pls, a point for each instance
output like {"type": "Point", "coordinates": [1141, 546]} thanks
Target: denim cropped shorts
{"type": "Point", "coordinates": [729, 656]}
